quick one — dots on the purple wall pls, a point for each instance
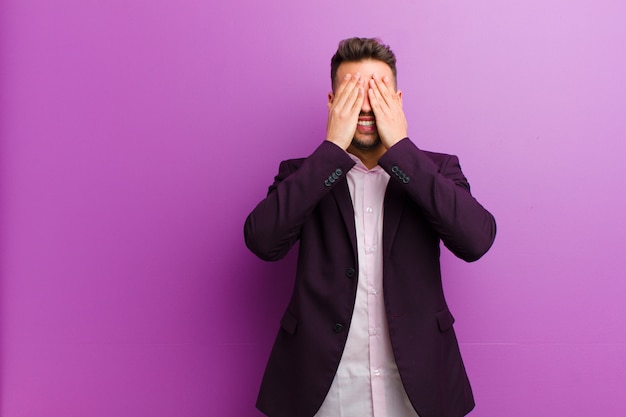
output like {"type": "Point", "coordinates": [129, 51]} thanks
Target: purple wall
{"type": "Point", "coordinates": [136, 136]}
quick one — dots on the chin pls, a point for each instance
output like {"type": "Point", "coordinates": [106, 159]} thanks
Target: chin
{"type": "Point", "coordinates": [367, 144]}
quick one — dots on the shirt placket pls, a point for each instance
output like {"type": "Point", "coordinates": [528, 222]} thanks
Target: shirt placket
{"type": "Point", "coordinates": [371, 213]}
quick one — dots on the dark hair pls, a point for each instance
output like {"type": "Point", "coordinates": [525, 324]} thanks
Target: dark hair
{"type": "Point", "coordinates": [359, 49]}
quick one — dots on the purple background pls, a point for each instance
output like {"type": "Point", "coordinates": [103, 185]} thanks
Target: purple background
{"type": "Point", "coordinates": [136, 136]}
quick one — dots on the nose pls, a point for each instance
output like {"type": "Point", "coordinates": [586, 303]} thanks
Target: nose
{"type": "Point", "coordinates": [366, 108]}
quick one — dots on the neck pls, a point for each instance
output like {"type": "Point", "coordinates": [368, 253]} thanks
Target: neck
{"type": "Point", "coordinates": [369, 157]}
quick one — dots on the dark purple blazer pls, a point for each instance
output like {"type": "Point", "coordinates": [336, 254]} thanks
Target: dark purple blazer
{"type": "Point", "coordinates": [427, 200]}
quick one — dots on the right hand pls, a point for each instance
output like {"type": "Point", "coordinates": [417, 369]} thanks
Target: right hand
{"type": "Point", "coordinates": [344, 107]}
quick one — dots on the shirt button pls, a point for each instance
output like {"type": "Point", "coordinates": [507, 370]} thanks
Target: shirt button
{"type": "Point", "coordinates": [369, 210]}
{"type": "Point", "coordinates": [377, 372]}
{"type": "Point", "coordinates": [338, 328]}
{"type": "Point", "coordinates": [373, 332]}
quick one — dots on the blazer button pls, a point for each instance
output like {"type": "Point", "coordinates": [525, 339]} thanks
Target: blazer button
{"type": "Point", "coordinates": [338, 171]}
{"type": "Point", "coordinates": [338, 328]}
{"type": "Point", "coordinates": [350, 272]}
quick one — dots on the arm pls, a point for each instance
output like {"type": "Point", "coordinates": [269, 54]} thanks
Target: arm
{"type": "Point", "coordinates": [443, 194]}
{"type": "Point", "coordinates": [274, 225]}
{"type": "Point", "coordinates": [440, 190]}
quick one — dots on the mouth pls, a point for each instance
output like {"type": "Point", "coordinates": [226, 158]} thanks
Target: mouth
{"type": "Point", "coordinates": [366, 125]}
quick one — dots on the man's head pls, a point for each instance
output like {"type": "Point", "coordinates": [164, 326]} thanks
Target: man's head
{"type": "Point", "coordinates": [361, 49]}
{"type": "Point", "coordinates": [366, 57]}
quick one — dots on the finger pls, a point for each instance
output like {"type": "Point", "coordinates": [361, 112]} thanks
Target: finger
{"type": "Point", "coordinates": [358, 102]}
{"type": "Point", "coordinates": [347, 92]}
{"type": "Point", "coordinates": [343, 84]}
{"type": "Point", "coordinates": [345, 109]}
{"type": "Point", "coordinates": [383, 87]}
{"type": "Point", "coordinates": [376, 99]}
{"type": "Point", "coordinates": [393, 94]}
{"type": "Point", "coordinates": [353, 103]}
{"type": "Point", "coordinates": [340, 91]}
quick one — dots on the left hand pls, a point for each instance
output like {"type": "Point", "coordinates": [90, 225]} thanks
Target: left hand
{"type": "Point", "coordinates": [386, 104]}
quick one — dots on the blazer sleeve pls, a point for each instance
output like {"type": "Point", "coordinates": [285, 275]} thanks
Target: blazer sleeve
{"type": "Point", "coordinates": [443, 194]}
{"type": "Point", "coordinates": [273, 227]}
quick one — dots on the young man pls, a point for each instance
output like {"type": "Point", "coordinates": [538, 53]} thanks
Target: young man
{"type": "Point", "coordinates": [367, 331]}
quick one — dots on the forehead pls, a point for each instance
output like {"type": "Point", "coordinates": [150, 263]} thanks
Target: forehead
{"type": "Point", "coordinates": [366, 68]}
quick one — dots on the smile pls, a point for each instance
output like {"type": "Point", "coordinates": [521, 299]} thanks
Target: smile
{"type": "Point", "coordinates": [366, 123]}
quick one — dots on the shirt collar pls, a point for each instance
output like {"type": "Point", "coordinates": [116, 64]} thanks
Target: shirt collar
{"type": "Point", "coordinates": [361, 167]}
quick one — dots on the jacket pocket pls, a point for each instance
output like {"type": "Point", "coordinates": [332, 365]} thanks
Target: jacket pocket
{"type": "Point", "coordinates": [445, 320]}
{"type": "Point", "coordinates": [289, 323]}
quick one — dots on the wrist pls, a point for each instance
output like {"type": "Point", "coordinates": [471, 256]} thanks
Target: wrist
{"type": "Point", "coordinates": [340, 143]}
{"type": "Point", "coordinates": [397, 138]}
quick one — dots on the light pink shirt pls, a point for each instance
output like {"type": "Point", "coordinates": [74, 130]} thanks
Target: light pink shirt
{"type": "Point", "coordinates": [367, 383]}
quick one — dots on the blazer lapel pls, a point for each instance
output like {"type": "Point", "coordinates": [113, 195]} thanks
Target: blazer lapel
{"type": "Point", "coordinates": [344, 203]}
{"type": "Point", "coordinates": [393, 206]}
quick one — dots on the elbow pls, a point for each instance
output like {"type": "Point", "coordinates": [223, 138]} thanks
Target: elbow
{"type": "Point", "coordinates": [261, 243]}
{"type": "Point", "coordinates": [482, 243]}
{"type": "Point", "coordinates": [476, 242]}
{"type": "Point", "coordinates": [262, 251]}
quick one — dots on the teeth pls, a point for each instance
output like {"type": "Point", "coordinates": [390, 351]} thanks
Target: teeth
{"type": "Point", "coordinates": [366, 123]}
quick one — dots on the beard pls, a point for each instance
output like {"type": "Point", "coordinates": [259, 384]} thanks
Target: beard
{"type": "Point", "coordinates": [366, 144]}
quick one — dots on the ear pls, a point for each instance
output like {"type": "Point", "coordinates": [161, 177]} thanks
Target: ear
{"type": "Point", "coordinates": [331, 97]}
{"type": "Point", "coordinates": [399, 93]}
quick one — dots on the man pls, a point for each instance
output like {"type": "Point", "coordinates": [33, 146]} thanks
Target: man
{"type": "Point", "coordinates": [367, 331]}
